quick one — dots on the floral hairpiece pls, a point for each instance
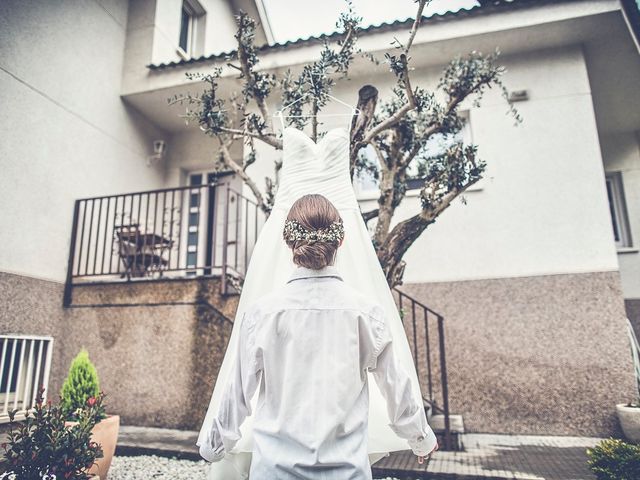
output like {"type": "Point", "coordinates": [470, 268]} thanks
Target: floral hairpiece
{"type": "Point", "coordinates": [294, 231]}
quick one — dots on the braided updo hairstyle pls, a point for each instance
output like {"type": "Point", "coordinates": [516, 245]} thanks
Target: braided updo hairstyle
{"type": "Point", "coordinates": [313, 212]}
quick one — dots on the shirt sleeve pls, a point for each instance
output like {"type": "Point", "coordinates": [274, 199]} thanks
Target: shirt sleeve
{"type": "Point", "coordinates": [408, 418]}
{"type": "Point", "coordinates": [235, 402]}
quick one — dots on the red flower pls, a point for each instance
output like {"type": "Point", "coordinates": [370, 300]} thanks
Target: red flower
{"type": "Point", "coordinates": [91, 401]}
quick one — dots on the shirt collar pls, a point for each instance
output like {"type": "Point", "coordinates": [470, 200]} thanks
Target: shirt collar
{"type": "Point", "coordinates": [304, 272]}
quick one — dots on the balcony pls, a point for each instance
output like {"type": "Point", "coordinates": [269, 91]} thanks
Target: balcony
{"type": "Point", "coordinates": [206, 230]}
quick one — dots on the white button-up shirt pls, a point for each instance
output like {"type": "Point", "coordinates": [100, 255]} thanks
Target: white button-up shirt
{"type": "Point", "coordinates": [309, 346]}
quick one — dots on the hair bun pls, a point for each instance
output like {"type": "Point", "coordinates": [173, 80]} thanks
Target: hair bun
{"type": "Point", "coordinates": [315, 255]}
{"type": "Point", "coordinates": [313, 230]}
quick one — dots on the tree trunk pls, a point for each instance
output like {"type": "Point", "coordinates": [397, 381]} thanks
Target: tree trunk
{"type": "Point", "coordinates": [396, 245]}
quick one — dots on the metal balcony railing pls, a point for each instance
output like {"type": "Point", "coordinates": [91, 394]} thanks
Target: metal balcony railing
{"type": "Point", "coordinates": [193, 231]}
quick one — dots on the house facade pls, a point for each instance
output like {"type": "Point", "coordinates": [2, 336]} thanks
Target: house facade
{"type": "Point", "coordinates": [116, 239]}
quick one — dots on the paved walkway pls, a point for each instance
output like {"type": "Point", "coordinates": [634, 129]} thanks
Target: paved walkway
{"type": "Point", "coordinates": [484, 457]}
{"type": "Point", "coordinates": [500, 457]}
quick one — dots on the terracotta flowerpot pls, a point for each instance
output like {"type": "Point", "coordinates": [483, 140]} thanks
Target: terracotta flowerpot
{"type": "Point", "coordinates": [104, 433]}
{"type": "Point", "coordinates": [629, 421]}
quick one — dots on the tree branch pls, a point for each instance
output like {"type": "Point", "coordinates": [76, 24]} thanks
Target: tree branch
{"type": "Point", "coordinates": [347, 41]}
{"type": "Point", "coordinates": [367, 101]}
{"type": "Point", "coordinates": [416, 24]}
{"type": "Point", "coordinates": [436, 127]}
{"type": "Point", "coordinates": [404, 233]}
{"type": "Point", "coordinates": [399, 114]}
{"type": "Point", "coordinates": [247, 72]}
{"type": "Point", "coordinates": [314, 120]}
{"type": "Point", "coordinates": [269, 139]}
{"type": "Point", "coordinates": [404, 75]}
{"type": "Point", "coordinates": [237, 169]}
{"type": "Point", "coordinates": [370, 215]}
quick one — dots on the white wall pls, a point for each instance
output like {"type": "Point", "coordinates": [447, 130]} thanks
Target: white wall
{"type": "Point", "coordinates": [66, 134]}
{"type": "Point", "coordinates": [543, 207]}
{"type": "Point", "coordinates": [621, 153]}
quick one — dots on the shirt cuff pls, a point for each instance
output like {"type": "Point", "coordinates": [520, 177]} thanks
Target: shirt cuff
{"type": "Point", "coordinates": [211, 455]}
{"type": "Point", "coordinates": [424, 444]}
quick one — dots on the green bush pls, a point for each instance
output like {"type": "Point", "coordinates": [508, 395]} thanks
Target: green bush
{"type": "Point", "coordinates": [80, 385]}
{"type": "Point", "coordinates": [615, 460]}
{"type": "Point", "coordinates": [43, 447]}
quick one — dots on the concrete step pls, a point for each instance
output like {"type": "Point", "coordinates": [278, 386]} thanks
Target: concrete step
{"type": "Point", "coordinates": [456, 429]}
{"type": "Point", "coordinates": [456, 424]}
{"type": "Point", "coordinates": [157, 441]}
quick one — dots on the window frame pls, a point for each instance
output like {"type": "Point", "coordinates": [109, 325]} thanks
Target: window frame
{"type": "Point", "coordinates": [196, 14]}
{"type": "Point", "coordinates": [618, 210]}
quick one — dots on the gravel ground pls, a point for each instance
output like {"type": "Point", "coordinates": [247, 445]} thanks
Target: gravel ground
{"type": "Point", "coordinates": [146, 467]}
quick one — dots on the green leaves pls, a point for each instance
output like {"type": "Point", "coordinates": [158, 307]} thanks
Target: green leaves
{"type": "Point", "coordinates": [614, 459]}
{"type": "Point", "coordinates": [309, 89]}
{"type": "Point", "coordinates": [406, 147]}
{"type": "Point", "coordinates": [452, 172]}
{"type": "Point", "coordinates": [473, 74]}
{"type": "Point", "coordinates": [43, 446]}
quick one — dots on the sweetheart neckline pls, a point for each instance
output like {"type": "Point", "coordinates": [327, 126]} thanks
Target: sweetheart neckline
{"type": "Point", "coordinates": [336, 129]}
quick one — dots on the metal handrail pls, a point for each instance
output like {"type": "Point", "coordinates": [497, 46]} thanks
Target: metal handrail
{"type": "Point", "coordinates": [427, 314]}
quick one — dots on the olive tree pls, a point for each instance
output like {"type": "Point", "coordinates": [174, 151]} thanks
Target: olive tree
{"type": "Point", "coordinates": [398, 128]}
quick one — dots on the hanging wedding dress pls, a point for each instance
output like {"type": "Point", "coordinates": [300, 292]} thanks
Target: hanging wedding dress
{"type": "Point", "coordinates": [323, 168]}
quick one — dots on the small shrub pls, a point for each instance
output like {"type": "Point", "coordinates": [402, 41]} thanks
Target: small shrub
{"type": "Point", "coordinates": [42, 447]}
{"type": "Point", "coordinates": [80, 385]}
{"type": "Point", "coordinates": [614, 460]}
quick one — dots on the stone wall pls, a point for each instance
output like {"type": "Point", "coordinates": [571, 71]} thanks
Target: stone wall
{"type": "Point", "coordinates": [538, 355]}
{"type": "Point", "coordinates": [157, 345]}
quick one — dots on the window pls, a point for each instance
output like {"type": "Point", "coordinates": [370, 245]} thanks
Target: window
{"type": "Point", "coordinates": [186, 27]}
{"type": "Point", "coordinates": [191, 29]}
{"type": "Point", "coordinates": [366, 185]}
{"type": "Point", "coordinates": [618, 209]}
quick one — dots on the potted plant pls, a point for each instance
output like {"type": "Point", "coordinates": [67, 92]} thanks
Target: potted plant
{"type": "Point", "coordinates": [43, 447]}
{"type": "Point", "coordinates": [80, 388]}
{"type": "Point", "coordinates": [629, 413]}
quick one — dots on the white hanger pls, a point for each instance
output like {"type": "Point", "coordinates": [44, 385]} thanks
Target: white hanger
{"type": "Point", "coordinates": [278, 113]}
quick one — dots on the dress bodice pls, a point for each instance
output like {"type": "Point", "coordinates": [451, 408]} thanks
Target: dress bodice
{"type": "Point", "coordinates": [315, 167]}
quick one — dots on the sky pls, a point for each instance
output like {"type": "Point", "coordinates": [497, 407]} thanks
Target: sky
{"type": "Point", "coordinates": [294, 19]}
